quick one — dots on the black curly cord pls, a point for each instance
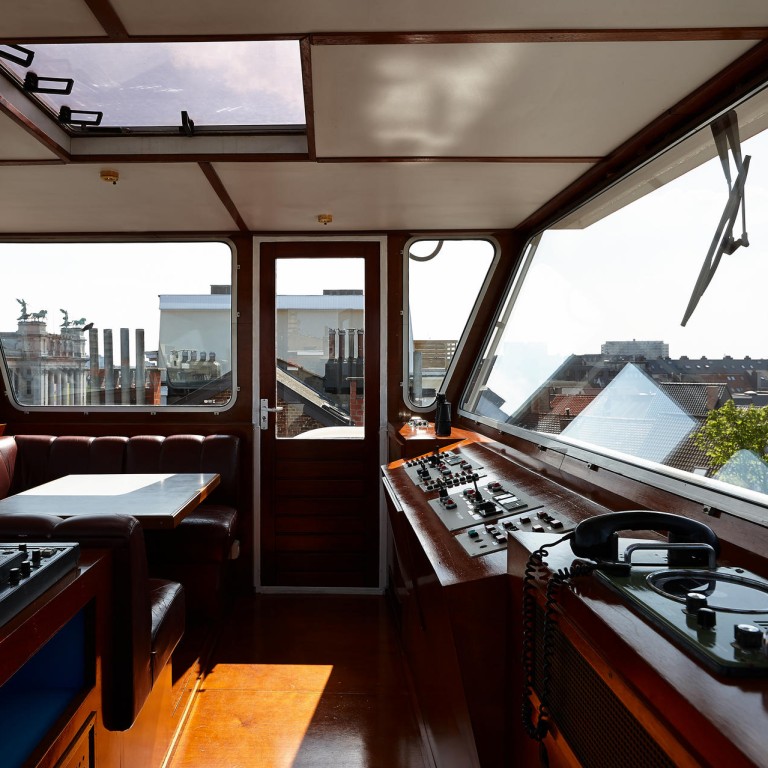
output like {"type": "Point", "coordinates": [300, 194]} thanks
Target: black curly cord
{"type": "Point", "coordinates": [536, 562]}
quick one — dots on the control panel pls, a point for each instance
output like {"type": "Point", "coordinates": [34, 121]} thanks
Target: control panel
{"type": "Point", "coordinates": [27, 570]}
{"type": "Point", "coordinates": [480, 506]}
{"type": "Point", "coordinates": [443, 470]}
{"type": "Point", "coordinates": [491, 536]}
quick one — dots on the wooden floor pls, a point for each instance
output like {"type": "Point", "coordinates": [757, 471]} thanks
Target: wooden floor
{"type": "Point", "coordinates": [304, 681]}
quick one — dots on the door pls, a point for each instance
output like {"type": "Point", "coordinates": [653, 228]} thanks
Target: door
{"type": "Point", "coordinates": [319, 375]}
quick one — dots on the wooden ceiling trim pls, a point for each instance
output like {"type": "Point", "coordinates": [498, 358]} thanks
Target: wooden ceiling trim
{"type": "Point", "coordinates": [309, 103]}
{"type": "Point", "coordinates": [192, 157]}
{"type": "Point", "coordinates": [7, 108]}
{"type": "Point", "coordinates": [746, 75]}
{"type": "Point", "coordinates": [545, 36]}
{"type": "Point", "coordinates": [223, 195]}
{"type": "Point", "coordinates": [107, 16]}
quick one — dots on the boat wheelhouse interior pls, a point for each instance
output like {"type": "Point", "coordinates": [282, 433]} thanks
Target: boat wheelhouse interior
{"type": "Point", "coordinates": [383, 385]}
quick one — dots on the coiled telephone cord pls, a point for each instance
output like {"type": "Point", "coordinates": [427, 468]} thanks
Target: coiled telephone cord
{"type": "Point", "coordinates": [536, 564]}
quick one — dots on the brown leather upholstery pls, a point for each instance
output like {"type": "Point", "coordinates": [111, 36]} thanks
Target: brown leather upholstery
{"type": "Point", "coordinates": [8, 453]}
{"type": "Point", "coordinates": [147, 615]}
{"type": "Point", "coordinates": [195, 552]}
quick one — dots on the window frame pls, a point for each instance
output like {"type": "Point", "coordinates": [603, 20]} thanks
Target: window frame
{"type": "Point", "coordinates": [152, 409]}
{"type": "Point", "coordinates": [462, 340]}
{"type": "Point", "coordinates": [716, 497]}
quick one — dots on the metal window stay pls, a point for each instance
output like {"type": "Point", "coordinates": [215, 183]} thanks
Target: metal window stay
{"type": "Point", "coordinates": [726, 132]}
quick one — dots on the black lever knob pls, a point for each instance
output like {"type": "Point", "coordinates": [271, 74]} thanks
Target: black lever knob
{"type": "Point", "coordinates": [695, 601]}
{"type": "Point", "coordinates": [748, 635]}
{"type": "Point", "coordinates": [706, 618]}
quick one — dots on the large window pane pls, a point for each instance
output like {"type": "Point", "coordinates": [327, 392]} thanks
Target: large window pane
{"type": "Point", "coordinates": [117, 324]}
{"type": "Point", "coordinates": [319, 348]}
{"type": "Point", "coordinates": [444, 279]}
{"type": "Point", "coordinates": [590, 344]}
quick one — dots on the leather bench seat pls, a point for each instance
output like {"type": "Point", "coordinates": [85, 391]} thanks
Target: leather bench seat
{"type": "Point", "coordinates": [168, 619]}
{"type": "Point", "coordinates": [196, 552]}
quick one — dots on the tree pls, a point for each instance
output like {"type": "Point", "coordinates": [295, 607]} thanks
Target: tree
{"type": "Point", "coordinates": [730, 429]}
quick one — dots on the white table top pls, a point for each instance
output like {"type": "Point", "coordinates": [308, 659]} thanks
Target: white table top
{"type": "Point", "coordinates": [156, 500]}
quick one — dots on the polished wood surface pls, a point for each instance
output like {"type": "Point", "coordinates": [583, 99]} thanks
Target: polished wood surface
{"type": "Point", "coordinates": [456, 622]}
{"type": "Point", "coordinates": [84, 588]}
{"type": "Point", "coordinates": [320, 514]}
{"type": "Point", "coordinates": [698, 717]}
{"type": "Point", "coordinates": [304, 681]}
{"type": "Point", "coordinates": [156, 500]}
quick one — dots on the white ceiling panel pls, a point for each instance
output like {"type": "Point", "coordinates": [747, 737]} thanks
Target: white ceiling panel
{"type": "Point", "coordinates": [504, 99]}
{"type": "Point", "coordinates": [383, 196]}
{"type": "Point", "coordinates": [148, 17]}
{"type": "Point", "coordinates": [39, 199]}
{"type": "Point", "coordinates": [16, 144]}
{"type": "Point", "coordinates": [43, 18]}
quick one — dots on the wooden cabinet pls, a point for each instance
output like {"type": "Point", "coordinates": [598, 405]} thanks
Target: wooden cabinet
{"type": "Point", "coordinates": [49, 673]}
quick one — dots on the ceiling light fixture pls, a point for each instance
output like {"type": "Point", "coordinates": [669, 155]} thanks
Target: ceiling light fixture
{"type": "Point", "coordinates": [325, 218]}
{"type": "Point", "coordinates": [107, 175]}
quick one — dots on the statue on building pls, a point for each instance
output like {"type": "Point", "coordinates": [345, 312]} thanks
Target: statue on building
{"type": "Point", "coordinates": [65, 323]}
{"type": "Point", "coordinates": [39, 315]}
{"type": "Point", "coordinates": [24, 314]}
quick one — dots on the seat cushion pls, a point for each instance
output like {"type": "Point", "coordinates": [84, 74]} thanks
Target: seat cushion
{"type": "Point", "coordinates": [204, 535]}
{"type": "Point", "coordinates": [168, 616]}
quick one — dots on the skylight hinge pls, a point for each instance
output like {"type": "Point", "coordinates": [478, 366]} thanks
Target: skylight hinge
{"type": "Point", "coordinates": [18, 55]}
{"type": "Point", "coordinates": [61, 86]}
{"type": "Point", "coordinates": [187, 125]}
{"type": "Point", "coordinates": [81, 117]}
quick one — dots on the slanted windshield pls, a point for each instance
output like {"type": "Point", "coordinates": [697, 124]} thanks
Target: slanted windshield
{"type": "Point", "coordinates": [598, 342]}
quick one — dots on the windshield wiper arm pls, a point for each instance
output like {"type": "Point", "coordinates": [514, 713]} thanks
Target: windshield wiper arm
{"type": "Point", "coordinates": [725, 131]}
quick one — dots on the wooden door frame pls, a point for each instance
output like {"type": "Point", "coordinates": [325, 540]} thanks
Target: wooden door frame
{"type": "Point", "coordinates": [375, 321]}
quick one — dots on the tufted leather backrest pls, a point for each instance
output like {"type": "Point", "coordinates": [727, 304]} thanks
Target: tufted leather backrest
{"type": "Point", "coordinates": [44, 457]}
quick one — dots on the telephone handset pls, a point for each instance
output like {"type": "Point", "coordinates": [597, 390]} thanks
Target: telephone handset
{"type": "Point", "coordinates": [596, 539]}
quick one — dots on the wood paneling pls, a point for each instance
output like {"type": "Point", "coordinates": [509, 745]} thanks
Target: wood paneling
{"type": "Point", "coordinates": [319, 505]}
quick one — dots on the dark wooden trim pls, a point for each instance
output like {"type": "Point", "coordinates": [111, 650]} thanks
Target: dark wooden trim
{"type": "Point", "coordinates": [223, 195]}
{"type": "Point", "coordinates": [24, 122]}
{"type": "Point", "coordinates": [737, 81]}
{"type": "Point", "coordinates": [320, 544]}
{"type": "Point", "coordinates": [192, 157]}
{"type": "Point", "coordinates": [107, 16]}
{"type": "Point", "coordinates": [11, 163]}
{"type": "Point", "coordinates": [309, 102]}
{"type": "Point", "coordinates": [683, 34]}
{"type": "Point", "coordinates": [543, 36]}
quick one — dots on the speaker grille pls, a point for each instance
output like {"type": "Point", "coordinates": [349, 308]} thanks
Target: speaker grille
{"type": "Point", "coordinates": [594, 722]}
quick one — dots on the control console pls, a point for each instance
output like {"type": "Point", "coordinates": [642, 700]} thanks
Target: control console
{"type": "Point", "coordinates": [481, 507]}
{"type": "Point", "coordinates": [27, 570]}
{"type": "Point", "coordinates": [443, 470]}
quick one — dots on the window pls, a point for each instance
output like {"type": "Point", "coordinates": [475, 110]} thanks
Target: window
{"type": "Point", "coordinates": [592, 351]}
{"type": "Point", "coordinates": [117, 324]}
{"type": "Point", "coordinates": [443, 280]}
{"type": "Point", "coordinates": [219, 85]}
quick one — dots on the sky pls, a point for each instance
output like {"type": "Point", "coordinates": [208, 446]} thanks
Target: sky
{"type": "Point", "coordinates": [117, 284]}
{"type": "Point", "coordinates": [631, 275]}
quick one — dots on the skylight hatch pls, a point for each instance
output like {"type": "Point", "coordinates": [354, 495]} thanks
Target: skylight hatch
{"type": "Point", "coordinates": [225, 85]}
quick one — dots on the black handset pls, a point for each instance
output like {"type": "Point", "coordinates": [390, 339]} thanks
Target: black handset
{"type": "Point", "coordinates": [595, 538]}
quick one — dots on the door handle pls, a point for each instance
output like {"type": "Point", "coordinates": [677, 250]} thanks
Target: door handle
{"type": "Point", "coordinates": [264, 411]}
